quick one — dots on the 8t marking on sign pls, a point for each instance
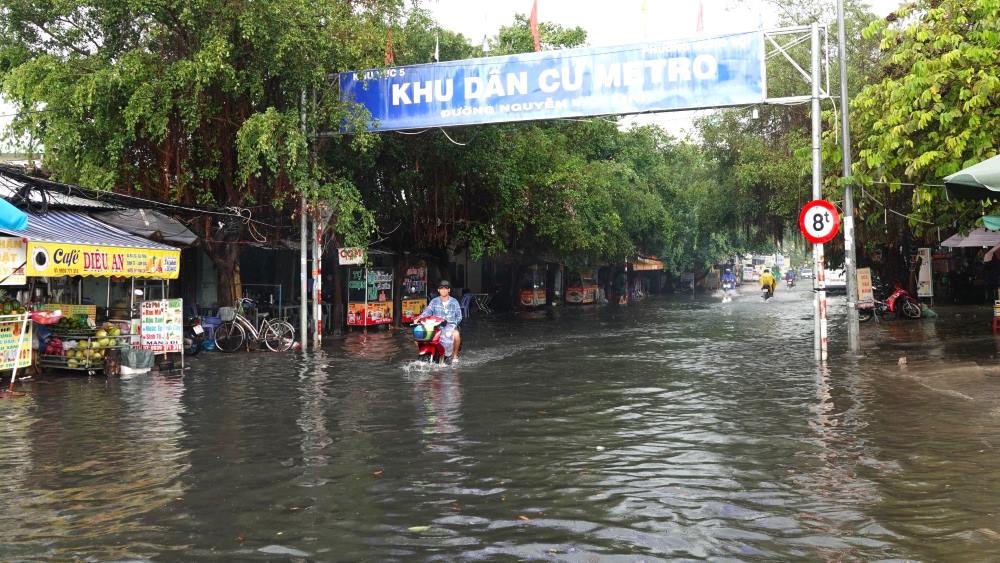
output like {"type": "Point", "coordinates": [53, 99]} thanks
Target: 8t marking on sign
{"type": "Point", "coordinates": [819, 221]}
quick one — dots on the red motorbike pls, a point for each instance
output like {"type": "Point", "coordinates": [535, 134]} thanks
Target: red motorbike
{"type": "Point", "coordinates": [900, 303]}
{"type": "Point", "coordinates": [427, 335]}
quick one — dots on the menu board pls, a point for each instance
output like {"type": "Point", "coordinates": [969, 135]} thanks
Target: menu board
{"type": "Point", "coordinates": [415, 282]}
{"type": "Point", "coordinates": [866, 297]}
{"type": "Point", "coordinates": [10, 354]}
{"type": "Point", "coordinates": [161, 325]}
{"type": "Point", "coordinates": [377, 287]}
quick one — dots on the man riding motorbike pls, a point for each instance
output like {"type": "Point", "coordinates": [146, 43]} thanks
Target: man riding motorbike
{"type": "Point", "coordinates": [767, 281]}
{"type": "Point", "coordinates": [448, 309]}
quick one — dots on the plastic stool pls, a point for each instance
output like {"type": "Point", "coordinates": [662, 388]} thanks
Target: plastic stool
{"type": "Point", "coordinates": [209, 324]}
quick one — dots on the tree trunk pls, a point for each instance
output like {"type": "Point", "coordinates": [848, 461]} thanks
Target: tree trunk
{"type": "Point", "coordinates": [227, 264]}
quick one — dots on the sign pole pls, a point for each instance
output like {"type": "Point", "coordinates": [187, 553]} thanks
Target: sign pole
{"type": "Point", "coordinates": [17, 354]}
{"type": "Point", "coordinates": [819, 307]}
{"type": "Point", "coordinates": [303, 254]}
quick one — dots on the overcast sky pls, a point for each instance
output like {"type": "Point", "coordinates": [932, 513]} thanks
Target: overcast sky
{"type": "Point", "coordinates": [618, 22]}
{"type": "Point", "coordinates": [608, 22]}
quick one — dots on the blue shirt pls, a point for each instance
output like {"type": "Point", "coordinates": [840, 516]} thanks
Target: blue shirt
{"type": "Point", "coordinates": [450, 312]}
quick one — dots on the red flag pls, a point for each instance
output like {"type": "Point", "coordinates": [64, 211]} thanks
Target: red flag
{"type": "Point", "coordinates": [701, 18]}
{"type": "Point", "coordinates": [390, 57]}
{"type": "Point", "coordinates": [534, 25]}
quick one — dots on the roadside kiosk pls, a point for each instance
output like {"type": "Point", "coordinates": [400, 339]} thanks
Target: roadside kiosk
{"type": "Point", "coordinates": [61, 248]}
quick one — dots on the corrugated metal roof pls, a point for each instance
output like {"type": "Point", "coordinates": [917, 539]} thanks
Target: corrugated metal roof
{"type": "Point", "coordinates": [9, 188]}
{"type": "Point", "coordinates": [71, 227]}
{"type": "Point", "coordinates": [978, 237]}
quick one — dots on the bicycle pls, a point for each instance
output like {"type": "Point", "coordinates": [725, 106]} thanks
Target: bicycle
{"type": "Point", "coordinates": [276, 334]}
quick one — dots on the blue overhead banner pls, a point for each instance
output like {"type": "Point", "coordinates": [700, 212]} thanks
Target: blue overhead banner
{"type": "Point", "coordinates": [664, 76]}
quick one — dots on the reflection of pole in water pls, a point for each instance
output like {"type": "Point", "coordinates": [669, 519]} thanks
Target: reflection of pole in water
{"type": "Point", "coordinates": [839, 453]}
{"type": "Point", "coordinates": [312, 416]}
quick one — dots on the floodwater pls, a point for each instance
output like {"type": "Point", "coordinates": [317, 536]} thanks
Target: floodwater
{"type": "Point", "coordinates": [679, 428]}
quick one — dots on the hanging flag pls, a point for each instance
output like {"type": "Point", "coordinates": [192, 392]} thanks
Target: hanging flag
{"type": "Point", "coordinates": [701, 18]}
{"type": "Point", "coordinates": [437, 48]}
{"type": "Point", "coordinates": [390, 57]}
{"type": "Point", "coordinates": [534, 25]}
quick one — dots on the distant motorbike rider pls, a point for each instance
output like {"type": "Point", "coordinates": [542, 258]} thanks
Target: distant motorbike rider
{"type": "Point", "coordinates": [767, 281]}
{"type": "Point", "coordinates": [728, 279]}
{"type": "Point", "coordinates": [448, 309]}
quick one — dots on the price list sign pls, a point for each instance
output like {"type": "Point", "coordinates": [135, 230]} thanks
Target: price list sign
{"type": "Point", "coordinates": [162, 325]}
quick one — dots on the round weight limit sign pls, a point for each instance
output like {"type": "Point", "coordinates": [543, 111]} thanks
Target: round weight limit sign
{"type": "Point", "coordinates": [819, 221]}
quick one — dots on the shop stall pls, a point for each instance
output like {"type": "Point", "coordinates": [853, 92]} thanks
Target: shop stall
{"type": "Point", "coordinates": [532, 293]}
{"type": "Point", "coordinates": [582, 288]}
{"type": "Point", "coordinates": [71, 263]}
{"type": "Point", "coordinates": [369, 297]}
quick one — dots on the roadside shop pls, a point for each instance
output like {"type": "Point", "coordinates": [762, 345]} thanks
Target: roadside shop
{"type": "Point", "coordinates": [83, 282]}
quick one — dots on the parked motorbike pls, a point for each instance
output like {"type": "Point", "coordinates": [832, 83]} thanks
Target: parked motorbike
{"type": "Point", "coordinates": [427, 335]}
{"type": "Point", "coordinates": [900, 303]}
{"type": "Point", "coordinates": [194, 336]}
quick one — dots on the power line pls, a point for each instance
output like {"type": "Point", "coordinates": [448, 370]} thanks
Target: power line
{"type": "Point", "coordinates": [96, 195]}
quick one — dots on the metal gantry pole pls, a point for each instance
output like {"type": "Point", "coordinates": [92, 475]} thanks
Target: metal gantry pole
{"type": "Point", "coordinates": [819, 307]}
{"type": "Point", "coordinates": [850, 255]}
{"type": "Point", "coordinates": [319, 225]}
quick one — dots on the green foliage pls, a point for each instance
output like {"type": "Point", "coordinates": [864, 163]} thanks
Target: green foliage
{"type": "Point", "coordinates": [938, 108]}
{"type": "Point", "coordinates": [186, 101]}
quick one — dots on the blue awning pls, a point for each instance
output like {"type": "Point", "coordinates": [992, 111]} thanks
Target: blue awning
{"type": "Point", "coordinates": [70, 227]}
{"type": "Point", "coordinates": [12, 217]}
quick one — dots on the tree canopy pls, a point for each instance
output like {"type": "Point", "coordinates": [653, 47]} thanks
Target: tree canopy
{"type": "Point", "coordinates": [190, 101]}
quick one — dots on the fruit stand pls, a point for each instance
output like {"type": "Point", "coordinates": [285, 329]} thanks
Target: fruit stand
{"type": "Point", "coordinates": [74, 345]}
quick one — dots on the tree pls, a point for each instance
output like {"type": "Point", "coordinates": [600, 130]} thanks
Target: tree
{"type": "Point", "coordinates": [191, 101]}
{"type": "Point", "coordinates": [936, 111]}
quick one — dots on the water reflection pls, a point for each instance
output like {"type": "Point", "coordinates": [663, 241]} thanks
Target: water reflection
{"type": "Point", "coordinates": [676, 429]}
{"type": "Point", "coordinates": [438, 402]}
{"type": "Point", "coordinates": [90, 459]}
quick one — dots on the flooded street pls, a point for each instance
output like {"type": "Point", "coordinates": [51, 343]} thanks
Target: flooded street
{"type": "Point", "coordinates": [679, 428]}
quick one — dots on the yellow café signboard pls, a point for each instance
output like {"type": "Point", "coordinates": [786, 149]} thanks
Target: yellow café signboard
{"type": "Point", "coordinates": [65, 259]}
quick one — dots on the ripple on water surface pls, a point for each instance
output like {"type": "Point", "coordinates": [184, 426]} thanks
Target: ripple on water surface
{"type": "Point", "coordinates": [680, 428]}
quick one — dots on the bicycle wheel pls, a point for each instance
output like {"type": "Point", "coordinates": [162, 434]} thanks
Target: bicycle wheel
{"type": "Point", "coordinates": [230, 337]}
{"type": "Point", "coordinates": [279, 336]}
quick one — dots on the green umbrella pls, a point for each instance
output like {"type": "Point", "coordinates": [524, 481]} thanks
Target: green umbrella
{"type": "Point", "coordinates": [991, 222]}
{"type": "Point", "coordinates": [979, 181]}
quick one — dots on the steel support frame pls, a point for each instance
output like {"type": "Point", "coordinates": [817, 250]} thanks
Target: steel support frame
{"type": "Point", "coordinates": [818, 79]}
